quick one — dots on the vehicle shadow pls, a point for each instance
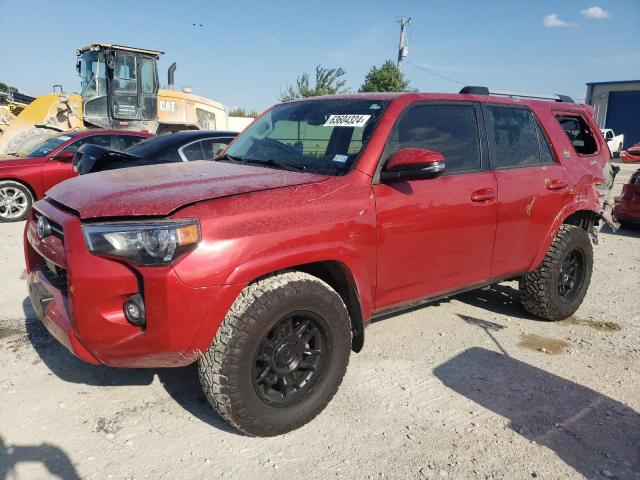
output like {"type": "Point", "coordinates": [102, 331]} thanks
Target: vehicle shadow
{"type": "Point", "coordinates": [596, 435]}
{"type": "Point", "coordinates": [55, 460]}
{"type": "Point", "coordinates": [623, 231]}
{"type": "Point", "coordinates": [498, 298]}
{"type": "Point", "coordinates": [181, 383]}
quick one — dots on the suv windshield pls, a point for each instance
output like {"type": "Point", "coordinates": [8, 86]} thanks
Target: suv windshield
{"type": "Point", "coordinates": [44, 148]}
{"type": "Point", "coordinates": [317, 136]}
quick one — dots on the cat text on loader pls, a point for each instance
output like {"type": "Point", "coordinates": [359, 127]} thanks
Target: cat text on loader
{"type": "Point", "coordinates": [119, 90]}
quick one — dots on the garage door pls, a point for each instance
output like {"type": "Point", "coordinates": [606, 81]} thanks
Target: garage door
{"type": "Point", "coordinates": [623, 115]}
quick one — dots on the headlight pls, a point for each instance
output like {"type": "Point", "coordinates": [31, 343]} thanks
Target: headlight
{"type": "Point", "coordinates": [145, 243]}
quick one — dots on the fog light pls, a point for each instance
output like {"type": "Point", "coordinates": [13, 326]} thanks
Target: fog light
{"type": "Point", "coordinates": [134, 311]}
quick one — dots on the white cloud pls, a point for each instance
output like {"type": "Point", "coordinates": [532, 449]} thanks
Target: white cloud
{"type": "Point", "coordinates": [595, 12]}
{"type": "Point", "coordinates": [552, 21]}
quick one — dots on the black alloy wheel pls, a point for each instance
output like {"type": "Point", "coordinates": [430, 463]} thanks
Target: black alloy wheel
{"type": "Point", "coordinates": [291, 359]}
{"type": "Point", "coordinates": [571, 275]}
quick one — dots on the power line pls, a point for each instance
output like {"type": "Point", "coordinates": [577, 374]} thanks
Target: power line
{"type": "Point", "coordinates": [435, 74]}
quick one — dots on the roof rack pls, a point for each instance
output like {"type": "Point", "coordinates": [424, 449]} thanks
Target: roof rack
{"type": "Point", "coordinates": [473, 90]}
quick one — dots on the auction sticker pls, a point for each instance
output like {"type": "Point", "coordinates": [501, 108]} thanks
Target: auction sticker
{"type": "Point", "coordinates": [347, 120]}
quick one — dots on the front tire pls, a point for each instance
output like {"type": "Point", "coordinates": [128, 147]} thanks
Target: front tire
{"type": "Point", "coordinates": [15, 201]}
{"type": "Point", "coordinates": [279, 356]}
{"type": "Point", "coordinates": [555, 289]}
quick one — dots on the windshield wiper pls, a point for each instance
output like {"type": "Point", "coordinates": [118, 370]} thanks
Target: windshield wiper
{"type": "Point", "coordinates": [292, 167]}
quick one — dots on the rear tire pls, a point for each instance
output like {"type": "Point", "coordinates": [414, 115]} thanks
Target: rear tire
{"type": "Point", "coordinates": [555, 289]}
{"type": "Point", "coordinates": [279, 356]}
{"type": "Point", "coordinates": [15, 201]}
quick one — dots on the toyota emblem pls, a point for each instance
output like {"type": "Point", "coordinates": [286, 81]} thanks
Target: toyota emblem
{"type": "Point", "coordinates": [43, 227]}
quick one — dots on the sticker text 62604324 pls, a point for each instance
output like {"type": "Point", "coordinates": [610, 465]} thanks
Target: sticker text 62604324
{"type": "Point", "coordinates": [347, 120]}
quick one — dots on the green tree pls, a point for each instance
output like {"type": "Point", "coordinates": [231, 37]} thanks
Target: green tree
{"type": "Point", "coordinates": [329, 81]}
{"type": "Point", "coordinates": [386, 78]}
{"type": "Point", "coordinates": [238, 112]}
{"type": "Point", "coordinates": [243, 112]}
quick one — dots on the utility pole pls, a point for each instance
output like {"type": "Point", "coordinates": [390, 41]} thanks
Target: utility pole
{"type": "Point", "coordinates": [403, 48]}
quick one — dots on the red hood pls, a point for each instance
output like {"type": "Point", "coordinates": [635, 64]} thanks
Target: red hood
{"type": "Point", "coordinates": [158, 190]}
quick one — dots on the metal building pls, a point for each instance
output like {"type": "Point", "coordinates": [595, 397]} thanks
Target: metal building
{"type": "Point", "coordinates": [617, 106]}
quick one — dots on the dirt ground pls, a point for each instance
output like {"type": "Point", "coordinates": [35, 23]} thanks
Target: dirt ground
{"type": "Point", "coordinates": [470, 387]}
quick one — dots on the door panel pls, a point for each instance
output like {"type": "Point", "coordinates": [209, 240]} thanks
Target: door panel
{"type": "Point", "coordinates": [433, 237]}
{"type": "Point", "coordinates": [528, 201]}
{"type": "Point", "coordinates": [532, 186]}
{"type": "Point", "coordinates": [56, 171]}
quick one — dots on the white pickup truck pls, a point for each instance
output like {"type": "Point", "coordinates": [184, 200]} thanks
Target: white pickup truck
{"type": "Point", "coordinates": [615, 142]}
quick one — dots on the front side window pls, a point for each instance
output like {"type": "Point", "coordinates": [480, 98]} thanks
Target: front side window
{"type": "Point", "coordinates": [318, 136]}
{"type": "Point", "coordinates": [578, 133]}
{"type": "Point", "coordinates": [513, 140]}
{"type": "Point", "coordinates": [451, 130]}
{"type": "Point", "coordinates": [93, 74]}
{"type": "Point", "coordinates": [45, 147]}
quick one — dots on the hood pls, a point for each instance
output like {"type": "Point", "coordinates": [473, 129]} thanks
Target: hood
{"type": "Point", "coordinates": [158, 190]}
{"type": "Point", "coordinates": [13, 161]}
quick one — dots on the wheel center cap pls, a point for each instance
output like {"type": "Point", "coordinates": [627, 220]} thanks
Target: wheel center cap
{"type": "Point", "coordinates": [285, 354]}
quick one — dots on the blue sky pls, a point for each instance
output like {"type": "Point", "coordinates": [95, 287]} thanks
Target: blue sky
{"type": "Point", "coordinates": [247, 51]}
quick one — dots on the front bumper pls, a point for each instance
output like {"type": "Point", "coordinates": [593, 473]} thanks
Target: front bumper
{"type": "Point", "coordinates": [80, 296]}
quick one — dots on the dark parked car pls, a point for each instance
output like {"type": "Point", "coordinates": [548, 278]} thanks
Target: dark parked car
{"type": "Point", "coordinates": [26, 175]}
{"type": "Point", "coordinates": [168, 148]}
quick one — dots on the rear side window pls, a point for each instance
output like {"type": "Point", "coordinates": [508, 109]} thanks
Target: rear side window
{"type": "Point", "coordinates": [451, 130]}
{"type": "Point", "coordinates": [513, 139]}
{"type": "Point", "coordinates": [546, 156]}
{"type": "Point", "coordinates": [213, 146]}
{"type": "Point", "coordinates": [192, 151]}
{"type": "Point", "coordinates": [579, 134]}
{"type": "Point", "coordinates": [122, 142]}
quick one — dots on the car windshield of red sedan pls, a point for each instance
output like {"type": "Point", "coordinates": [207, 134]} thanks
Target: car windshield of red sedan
{"type": "Point", "coordinates": [44, 148]}
{"type": "Point", "coordinates": [317, 136]}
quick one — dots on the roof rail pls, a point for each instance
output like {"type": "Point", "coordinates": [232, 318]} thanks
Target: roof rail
{"type": "Point", "coordinates": [472, 90]}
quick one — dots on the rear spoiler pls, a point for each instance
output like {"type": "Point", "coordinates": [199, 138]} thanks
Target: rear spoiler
{"type": "Point", "coordinates": [94, 158]}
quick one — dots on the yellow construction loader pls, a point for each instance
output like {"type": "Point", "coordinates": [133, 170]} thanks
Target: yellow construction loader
{"type": "Point", "coordinates": [120, 89]}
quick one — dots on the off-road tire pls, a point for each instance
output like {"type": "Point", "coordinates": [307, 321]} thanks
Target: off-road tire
{"type": "Point", "coordinates": [225, 369]}
{"type": "Point", "coordinates": [539, 291]}
{"type": "Point", "coordinates": [27, 196]}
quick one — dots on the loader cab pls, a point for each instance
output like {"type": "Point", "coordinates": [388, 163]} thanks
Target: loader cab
{"type": "Point", "coordinates": [119, 86]}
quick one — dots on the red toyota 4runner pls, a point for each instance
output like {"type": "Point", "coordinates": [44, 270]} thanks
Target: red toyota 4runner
{"type": "Point", "coordinates": [265, 265]}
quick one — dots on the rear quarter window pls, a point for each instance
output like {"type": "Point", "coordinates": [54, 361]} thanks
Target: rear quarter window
{"type": "Point", "coordinates": [579, 133]}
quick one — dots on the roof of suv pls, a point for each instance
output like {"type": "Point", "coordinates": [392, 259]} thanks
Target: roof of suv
{"type": "Point", "coordinates": [468, 97]}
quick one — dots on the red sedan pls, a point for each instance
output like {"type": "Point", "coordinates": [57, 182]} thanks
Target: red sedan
{"type": "Point", "coordinates": [631, 155]}
{"type": "Point", "coordinates": [27, 175]}
{"type": "Point", "coordinates": [627, 207]}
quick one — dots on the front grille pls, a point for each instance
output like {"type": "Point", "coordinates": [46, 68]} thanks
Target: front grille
{"type": "Point", "coordinates": [56, 228]}
{"type": "Point", "coordinates": [56, 275]}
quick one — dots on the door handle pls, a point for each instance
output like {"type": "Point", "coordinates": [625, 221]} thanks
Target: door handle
{"type": "Point", "coordinates": [557, 185]}
{"type": "Point", "coordinates": [483, 195]}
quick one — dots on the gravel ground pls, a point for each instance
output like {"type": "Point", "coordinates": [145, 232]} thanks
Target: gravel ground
{"type": "Point", "coordinates": [470, 387]}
